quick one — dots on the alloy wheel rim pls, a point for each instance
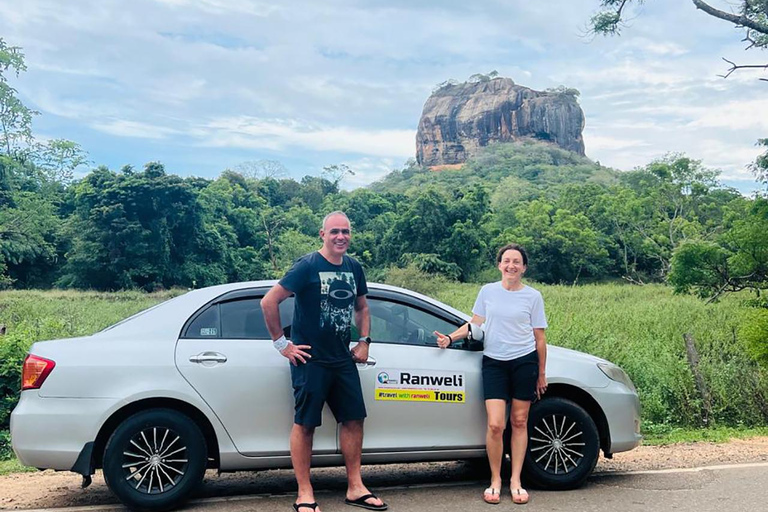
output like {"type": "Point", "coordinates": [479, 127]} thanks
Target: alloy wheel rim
{"type": "Point", "coordinates": [155, 460]}
{"type": "Point", "coordinates": [557, 444]}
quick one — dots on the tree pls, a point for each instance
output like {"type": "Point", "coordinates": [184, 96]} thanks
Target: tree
{"type": "Point", "coordinates": [336, 173]}
{"type": "Point", "coordinates": [737, 260]}
{"type": "Point", "coordinates": [751, 15]}
{"type": "Point", "coordinates": [141, 230]}
{"type": "Point", "coordinates": [563, 245]}
{"type": "Point", "coordinates": [58, 158]}
{"type": "Point", "coordinates": [15, 117]}
{"type": "Point", "coordinates": [28, 232]}
{"type": "Point", "coordinates": [760, 166]}
{"type": "Point", "coordinates": [261, 169]}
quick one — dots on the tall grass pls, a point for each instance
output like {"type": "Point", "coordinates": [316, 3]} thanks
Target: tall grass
{"type": "Point", "coordinates": [30, 316]}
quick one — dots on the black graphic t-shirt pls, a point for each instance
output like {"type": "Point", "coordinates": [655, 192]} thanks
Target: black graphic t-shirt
{"type": "Point", "coordinates": [325, 304]}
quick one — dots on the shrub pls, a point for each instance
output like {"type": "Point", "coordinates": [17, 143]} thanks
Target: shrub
{"type": "Point", "coordinates": [413, 278]}
{"type": "Point", "coordinates": [754, 332]}
{"type": "Point", "coordinates": [13, 349]}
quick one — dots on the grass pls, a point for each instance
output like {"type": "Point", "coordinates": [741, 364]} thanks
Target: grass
{"type": "Point", "coordinates": [14, 466]}
{"type": "Point", "coordinates": [41, 315]}
{"type": "Point", "coordinates": [673, 435]}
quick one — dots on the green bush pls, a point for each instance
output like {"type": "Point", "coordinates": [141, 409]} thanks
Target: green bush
{"type": "Point", "coordinates": [755, 335]}
{"type": "Point", "coordinates": [13, 349]}
{"type": "Point", "coordinates": [5, 445]}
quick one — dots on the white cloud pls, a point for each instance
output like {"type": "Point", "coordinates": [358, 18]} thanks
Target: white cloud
{"type": "Point", "coordinates": [734, 115]}
{"type": "Point", "coordinates": [123, 128]}
{"type": "Point", "coordinates": [603, 143]}
{"type": "Point", "coordinates": [274, 134]}
{"type": "Point", "coordinates": [251, 7]}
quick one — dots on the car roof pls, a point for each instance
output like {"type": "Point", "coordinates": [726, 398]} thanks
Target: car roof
{"type": "Point", "coordinates": [167, 318]}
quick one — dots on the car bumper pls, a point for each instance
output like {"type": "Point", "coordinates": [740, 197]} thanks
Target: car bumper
{"type": "Point", "coordinates": [621, 407]}
{"type": "Point", "coordinates": [50, 433]}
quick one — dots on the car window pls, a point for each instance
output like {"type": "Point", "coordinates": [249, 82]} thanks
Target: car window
{"type": "Point", "coordinates": [206, 325]}
{"type": "Point", "coordinates": [238, 319]}
{"type": "Point", "coordinates": [243, 319]}
{"type": "Point", "coordinates": [392, 322]}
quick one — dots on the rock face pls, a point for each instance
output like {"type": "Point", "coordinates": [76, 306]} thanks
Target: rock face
{"type": "Point", "coordinates": [459, 119]}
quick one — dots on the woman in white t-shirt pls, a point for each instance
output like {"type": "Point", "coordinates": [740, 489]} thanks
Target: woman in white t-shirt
{"type": "Point", "coordinates": [514, 362]}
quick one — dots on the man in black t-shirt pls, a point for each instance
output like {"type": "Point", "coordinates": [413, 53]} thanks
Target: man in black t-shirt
{"type": "Point", "coordinates": [329, 288]}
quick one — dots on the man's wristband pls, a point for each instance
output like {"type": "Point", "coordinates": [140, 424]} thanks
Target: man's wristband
{"type": "Point", "coordinates": [450, 340]}
{"type": "Point", "coordinates": [280, 343]}
{"type": "Point", "coordinates": [366, 339]}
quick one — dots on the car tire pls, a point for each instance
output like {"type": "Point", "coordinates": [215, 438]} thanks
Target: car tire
{"type": "Point", "coordinates": [563, 445]}
{"type": "Point", "coordinates": [155, 459]}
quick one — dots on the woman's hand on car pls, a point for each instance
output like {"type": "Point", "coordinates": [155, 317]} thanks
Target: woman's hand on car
{"type": "Point", "coordinates": [443, 340]}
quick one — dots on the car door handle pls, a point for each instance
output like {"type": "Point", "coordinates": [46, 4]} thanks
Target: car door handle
{"type": "Point", "coordinates": [370, 362]}
{"type": "Point", "coordinates": [205, 357]}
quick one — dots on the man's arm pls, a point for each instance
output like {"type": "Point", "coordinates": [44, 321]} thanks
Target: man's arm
{"type": "Point", "coordinates": [363, 322]}
{"type": "Point", "coordinates": [270, 306]}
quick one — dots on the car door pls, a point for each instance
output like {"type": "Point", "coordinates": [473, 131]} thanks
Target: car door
{"type": "Point", "coordinates": [226, 354]}
{"type": "Point", "coordinates": [418, 396]}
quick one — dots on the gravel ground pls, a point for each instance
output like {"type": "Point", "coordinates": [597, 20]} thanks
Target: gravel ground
{"type": "Point", "coordinates": [50, 489]}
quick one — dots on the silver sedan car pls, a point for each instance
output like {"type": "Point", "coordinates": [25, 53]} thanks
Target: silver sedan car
{"type": "Point", "coordinates": [194, 383]}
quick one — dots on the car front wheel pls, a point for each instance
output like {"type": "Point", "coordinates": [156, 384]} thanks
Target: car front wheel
{"type": "Point", "coordinates": [563, 444]}
{"type": "Point", "coordinates": [155, 459]}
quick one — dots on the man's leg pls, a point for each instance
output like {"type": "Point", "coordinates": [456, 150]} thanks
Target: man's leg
{"type": "Point", "coordinates": [301, 458]}
{"type": "Point", "coordinates": [351, 438]}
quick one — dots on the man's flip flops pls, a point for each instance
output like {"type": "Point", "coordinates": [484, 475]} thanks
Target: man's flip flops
{"type": "Point", "coordinates": [360, 502]}
{"type": "Point", "coordinates": [297, 506]}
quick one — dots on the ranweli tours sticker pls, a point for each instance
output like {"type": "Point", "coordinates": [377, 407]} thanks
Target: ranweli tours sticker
{"type": "Point", "coordinates": [420, 386]}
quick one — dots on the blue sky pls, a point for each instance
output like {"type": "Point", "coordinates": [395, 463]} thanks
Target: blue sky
{"type": "Point", "coordinates": [204, 85]}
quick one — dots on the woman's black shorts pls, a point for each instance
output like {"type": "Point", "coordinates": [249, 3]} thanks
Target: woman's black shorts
{"type": "Point", "coordinates": [516, 378]}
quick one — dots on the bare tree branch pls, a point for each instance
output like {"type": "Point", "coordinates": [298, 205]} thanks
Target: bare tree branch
{"type": "Point", "coordinates": [735, 66]}
{"type": "Point", "coordinates": [736, 19]}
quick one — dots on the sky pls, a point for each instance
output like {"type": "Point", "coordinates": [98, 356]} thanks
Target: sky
{"type": "Point", "coordinates": [205, 85]}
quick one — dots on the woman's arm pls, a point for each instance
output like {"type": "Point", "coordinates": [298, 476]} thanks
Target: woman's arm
{"type": "Point", "coordinates": [443, 340]}
{"type": "Point", "coordinates": [541, 349]}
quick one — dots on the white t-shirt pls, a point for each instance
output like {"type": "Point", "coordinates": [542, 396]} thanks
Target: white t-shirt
{"type": "Point", "coordinates": [510, 317]}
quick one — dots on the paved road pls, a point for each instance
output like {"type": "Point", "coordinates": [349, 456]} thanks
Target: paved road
{"type": "Point", "coordinates": [713, 489]}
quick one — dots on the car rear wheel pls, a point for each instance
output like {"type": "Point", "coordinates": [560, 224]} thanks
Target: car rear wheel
{"type": "Point", "coordinates": [563, 444]}
{"type": "Point", "coordinates": [155, 459]}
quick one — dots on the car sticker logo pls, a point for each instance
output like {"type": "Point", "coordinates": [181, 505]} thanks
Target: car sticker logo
{"type": "Point", "coordinates": [420, 386]}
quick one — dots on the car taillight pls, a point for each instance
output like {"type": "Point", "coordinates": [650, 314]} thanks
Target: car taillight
{"type": "Point", "coordinates": [36, 369]}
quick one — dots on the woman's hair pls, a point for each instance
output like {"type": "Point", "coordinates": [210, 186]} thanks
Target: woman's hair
{"type": "Point", "coordinates": [512, 247]}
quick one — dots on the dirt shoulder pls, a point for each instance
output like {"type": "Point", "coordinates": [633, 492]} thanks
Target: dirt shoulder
{"type": "Point", "coordinates": [50, 489]}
